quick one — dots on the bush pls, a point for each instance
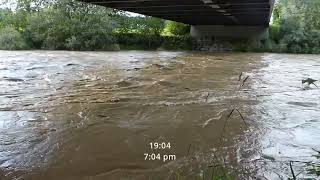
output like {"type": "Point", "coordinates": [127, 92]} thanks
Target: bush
{"type": "Point", "coordinates": [296, 26]}
{"type": "Point", "coordinates": [177, 43]}
{"type": "Point", "coordinates": [69, 28]}
{"type": "Point", "coordinates": [176, 29]}
{"type": "Point", "coordinates": [11, 39]}
{"type": "Point", "coordinates": [274, 33]}
{"type": "Point", "coordinates": [73, 43]}
{"type": "Point", "coordinates": [138, 41]}
{"type": "Point", "coordinates": [152, 42]}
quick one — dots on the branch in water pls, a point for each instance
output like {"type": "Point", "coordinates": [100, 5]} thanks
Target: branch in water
{"type": "Point", "coordinates": [207, 97]}
{"type": "Point", "coordinates": [224, 126]}
{"type": "Point", "coordinates": [292, 172]}
{"type": "Point", "coordinates": [315, 150]}
{"type": "Point", "coordinates": [229, 115]}
{"type": "Point", "coordinates": [244, 80]}
{"type": "Point", "coordinates": [240, 76]}
{"type": "Point", "coordinates": [189, 149]}
{"type": "Point", "coordinates": [315, 85]}
{"type": "Point", "coordinates": [242, 117]}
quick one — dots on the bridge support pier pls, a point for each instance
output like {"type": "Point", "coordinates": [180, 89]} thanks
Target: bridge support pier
{"type": "Point", "coordinates": [222, 38]}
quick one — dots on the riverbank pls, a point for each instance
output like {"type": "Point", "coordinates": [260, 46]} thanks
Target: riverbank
{"type": "Point", "coordinates": [72, 25]}
{"type": "Point", "coordinates": [11, 39]}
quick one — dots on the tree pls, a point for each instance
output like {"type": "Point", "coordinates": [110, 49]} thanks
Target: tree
{"type": "Point", "coordinates": [176, 29]}
{"type": "Point", "coordinates": [71, 25]}
{"type": "Point", "coordinates": [139, 24]}
{"type": "Point", "coordinates": [297, 25]}
{"type": "Point", "coordinates": [11, 39]}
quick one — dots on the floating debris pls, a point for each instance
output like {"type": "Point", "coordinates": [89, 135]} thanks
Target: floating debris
{"type": "Point", "coordinates": [12, 79]}
{"type": "Point", "coordinates": [34, 68]}
{"type": "Point", "coordinates": [207, 97]}
{"type": "Point", "coordinates": [268, 157]}
{"type": "Point", "coordinates": [114, 100]}
{"type": "Point", "coordinates": [161, 67]}
{"type": "Point", "coordinates": [309, 81]}
{"type": "Point", "coordinates": [240, 76]}
{"type": "Point", "coordinates": [134, 69]}
{"type": "Point", "coordinates": [244, 80]}
{"type": "Point", "coordinates": [103, 116]}
{"type": "Point", "coordinates": [158, 65]}
{"type": "Point", "coordinates": [123, 83]}
{"type": "Point", "coordinates": [166, 83]}
{"type": "Point", "coordinates": [71, 64]}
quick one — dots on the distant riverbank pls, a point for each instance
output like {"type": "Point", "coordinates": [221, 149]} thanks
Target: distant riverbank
{"type": "Point", "coordinates": [72, 25]}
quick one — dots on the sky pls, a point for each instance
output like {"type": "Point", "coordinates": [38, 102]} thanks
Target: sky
{"type": "Point", "coordinates": [12, 4]}
{"type": "Point", "coordinates": [8, 4]}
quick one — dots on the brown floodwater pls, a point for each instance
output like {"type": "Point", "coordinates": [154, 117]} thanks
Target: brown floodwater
{"type": "Point", "coordinates": [92, 115]}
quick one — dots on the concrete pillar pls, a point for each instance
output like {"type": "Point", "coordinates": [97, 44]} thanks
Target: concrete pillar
{"type": "Point", "coordinates": [229, 32]}
{"type": "Point", "coordinates": [220, 38]}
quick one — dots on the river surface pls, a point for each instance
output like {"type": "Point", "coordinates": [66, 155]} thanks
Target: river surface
{"type": "Point", "coordinates": [92, 115]}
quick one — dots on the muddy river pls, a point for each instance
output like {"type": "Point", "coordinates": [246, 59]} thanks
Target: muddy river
{"type": "Point", "coordinates": [158, 115]}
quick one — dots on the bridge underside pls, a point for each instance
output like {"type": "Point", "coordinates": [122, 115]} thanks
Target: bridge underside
{"type": "Point", "coordinates": [211, 20]}
{"type": "Point", "coordinates": [199, 12]}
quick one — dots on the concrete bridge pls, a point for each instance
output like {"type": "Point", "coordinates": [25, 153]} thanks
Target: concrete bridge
{"type": "Point", "coordinates": [210, 19]}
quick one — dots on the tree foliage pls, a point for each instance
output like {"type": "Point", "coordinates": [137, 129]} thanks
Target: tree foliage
{"type": "Point", "coordinates": [176, 29]}
{"type": "Point", "coordinates": [73, 25]}
{"type": "Point", "coordinates": [11, 39]}
{"type": "Point", "coordinates": [139, 24]}
{"type": "Point", "coordinates": [296, 26]}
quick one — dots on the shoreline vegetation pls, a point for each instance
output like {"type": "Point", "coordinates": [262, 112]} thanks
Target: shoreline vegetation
{"type": "Point", "coordinates": [72, 25]}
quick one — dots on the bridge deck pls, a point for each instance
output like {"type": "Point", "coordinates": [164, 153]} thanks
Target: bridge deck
{"type": "Point", "coordinates": [198, 12]}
